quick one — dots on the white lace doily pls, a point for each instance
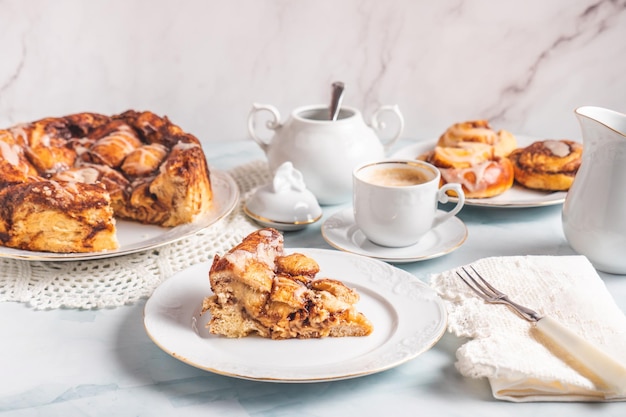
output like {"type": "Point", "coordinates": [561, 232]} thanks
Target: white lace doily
{"type": "Point", "coordinates": [122, 280]}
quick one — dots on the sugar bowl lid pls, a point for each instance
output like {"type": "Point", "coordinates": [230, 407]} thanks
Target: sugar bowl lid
{"type": "Point", "coordinates": [285, 203]}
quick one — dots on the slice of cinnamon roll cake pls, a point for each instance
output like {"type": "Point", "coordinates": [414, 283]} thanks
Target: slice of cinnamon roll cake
{"type": "Point", "coordinates": [258, 289]}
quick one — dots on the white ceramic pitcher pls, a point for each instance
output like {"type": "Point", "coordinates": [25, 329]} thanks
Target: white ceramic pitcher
{"type": "Point", "coordinates": [323, 150]}
{"type": "Point", "coordinates": [594, 212]}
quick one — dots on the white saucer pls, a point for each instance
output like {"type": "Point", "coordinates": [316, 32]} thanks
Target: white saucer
{"type": "Point", "coordinates": [341, 232]}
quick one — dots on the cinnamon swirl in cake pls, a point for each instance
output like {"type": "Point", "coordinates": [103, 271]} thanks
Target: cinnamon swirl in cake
{"type": "Point", "coordinates": [258, 289]}
{"type": "Point", "coordinates": [64, 180]}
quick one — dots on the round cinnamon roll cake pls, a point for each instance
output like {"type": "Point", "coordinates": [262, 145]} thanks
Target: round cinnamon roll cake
{"type": "Point", "coordinates": [549, 165]}
{"type": "Point", "coordinates": [478, 131]}
{"type": "Point", "coordinates": [64, 180]}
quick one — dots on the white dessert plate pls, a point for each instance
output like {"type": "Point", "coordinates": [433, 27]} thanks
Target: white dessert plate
{"type": "Point", "coordinates": [136, 237]}
{"type": "Point", "coordinates": [341, 232]}
{"type": "Point", "coordinates": [408, 319]}
{"type": "Point", "coordinates": [516, 197]}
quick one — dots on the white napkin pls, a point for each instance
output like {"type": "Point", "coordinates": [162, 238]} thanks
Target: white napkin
{"type": "Point", "coordinates": [507, 349]}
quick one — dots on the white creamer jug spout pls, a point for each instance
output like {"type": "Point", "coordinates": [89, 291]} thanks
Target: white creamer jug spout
{"type": "Point", "coordinates": [591, 117]}
{"type": "Point", "coordinates": [594, 212]}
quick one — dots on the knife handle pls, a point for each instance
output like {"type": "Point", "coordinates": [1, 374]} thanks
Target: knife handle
{"type": "Point", "coordinates": [603, 366]}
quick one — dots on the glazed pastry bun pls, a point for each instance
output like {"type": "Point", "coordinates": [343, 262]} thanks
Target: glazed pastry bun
{"type": "Point", "coordinates": [479, 131]}
{"type": "Point", "coordinates": [549, 165]}
{"type": "Point", "coordinates": [475, 166]}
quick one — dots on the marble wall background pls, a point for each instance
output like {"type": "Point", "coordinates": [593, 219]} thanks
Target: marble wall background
{"type": "Point", "coordinates": [523, 65]}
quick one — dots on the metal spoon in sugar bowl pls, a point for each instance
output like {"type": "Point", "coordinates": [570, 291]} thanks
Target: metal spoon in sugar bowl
{"type": "Point", "coordinates": [335, 102]}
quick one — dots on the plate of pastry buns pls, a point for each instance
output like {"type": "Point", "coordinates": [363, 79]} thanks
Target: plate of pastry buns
{"type": "Point", "coordinates": [88, 185]}
{"type": "Point", "coordinates": [499, 169]}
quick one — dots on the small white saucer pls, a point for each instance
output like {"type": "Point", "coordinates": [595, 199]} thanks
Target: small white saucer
{"type": "Point", "coordinates": [341, 232]}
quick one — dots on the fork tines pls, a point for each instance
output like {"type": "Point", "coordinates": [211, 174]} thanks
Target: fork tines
{"type": "Point", "coordinates": [486, 291]}
{"type": "Point", "coordinates": [492, 295]}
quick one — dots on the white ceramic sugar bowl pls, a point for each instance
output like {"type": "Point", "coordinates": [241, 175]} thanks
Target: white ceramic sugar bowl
{"type": "Point", "coordinates": [285, 203]}
{"type": "Point", "coordinates": [325, 151]}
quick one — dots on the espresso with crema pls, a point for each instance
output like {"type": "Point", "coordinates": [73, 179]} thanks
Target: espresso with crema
{"type": "Point", "coordinates": [397, 176]}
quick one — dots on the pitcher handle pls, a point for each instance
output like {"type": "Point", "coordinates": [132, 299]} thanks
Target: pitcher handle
{"type": "Point", "coordinates": [378, 125]}
{"type": "Point", "coordinates": [271, 124]}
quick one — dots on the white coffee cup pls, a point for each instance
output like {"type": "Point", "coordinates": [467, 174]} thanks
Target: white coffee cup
{"type": "Point", "coordinates": [395, 201]}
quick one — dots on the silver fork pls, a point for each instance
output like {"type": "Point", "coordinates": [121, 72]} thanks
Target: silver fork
{"type": "Point", "coordinates": [606, 368]}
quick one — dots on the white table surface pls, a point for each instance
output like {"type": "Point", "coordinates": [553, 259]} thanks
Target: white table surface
{"type": "Point", "coordinates": [101, 362]}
